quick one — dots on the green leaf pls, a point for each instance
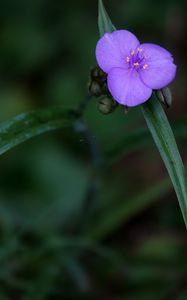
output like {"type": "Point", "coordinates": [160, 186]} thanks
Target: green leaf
{"type": "Point", "coordinates": [25, 126]}
{"type": "Point", "coordinates": [162, 134]}
{"type": "Point", "coordinates": [104, 22]}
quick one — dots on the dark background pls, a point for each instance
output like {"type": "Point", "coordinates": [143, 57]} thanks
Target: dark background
{"type": "Point", "coordinates": [72, 227]}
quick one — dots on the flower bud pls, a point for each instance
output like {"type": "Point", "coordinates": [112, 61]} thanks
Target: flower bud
{"type": "Point", "coordinates": [95, 89]}
{"type": "Point", "coordinates": [106, 105]}
{"type": "Point", "coordinates": [165, 96]}
{"type": "Point", "coordinates": [105, 90]}
{"type": "Point", "coordinates": [97, 73]}
{"type": "Point", "coordinates": [97, 85]}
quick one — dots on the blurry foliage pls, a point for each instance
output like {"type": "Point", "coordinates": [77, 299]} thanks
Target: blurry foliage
{"type": "Point", "coordinates": [70, 229]}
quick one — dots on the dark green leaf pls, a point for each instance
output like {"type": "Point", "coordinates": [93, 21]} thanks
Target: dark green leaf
{"type": "Point", "coordinates": [25, 126]}
{"type": "Point", "coordinates": [104, 22]}
{"type": "Point", "coordinates": [162, 134]}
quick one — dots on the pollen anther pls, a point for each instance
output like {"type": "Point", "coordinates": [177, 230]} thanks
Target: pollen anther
{"type": "Point", "coordinates": [127, 59]}
{"type": "Point", "coordinates": [139, 49]}
{"type": "Point", "coordinates": [136, 64]}
{"type": "Point", "coordinates": [145, 66]}
{"type": "Point", "coordinates": [132, 52]}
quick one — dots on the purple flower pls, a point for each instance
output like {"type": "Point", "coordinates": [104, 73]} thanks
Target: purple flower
{"type": "Point", "coordinates": [133, 70]}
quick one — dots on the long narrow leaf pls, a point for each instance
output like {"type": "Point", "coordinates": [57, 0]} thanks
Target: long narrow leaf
{"type": "Point", "coordinates": [162, 134]}
{"type": "Point", "coordinates": [27, 125]}
{"type": "Point", "coordinates": [104, 22]}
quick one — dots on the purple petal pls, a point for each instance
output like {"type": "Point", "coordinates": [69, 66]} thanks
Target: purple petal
{"type": "Point", "coordinates": [160, 69]}
{"type": "Point", "coordinates": [155, 52]}
{"type": "Point", "coordinates": [112, 49]}
{"type": "Point", "coordinates": [127, 88]}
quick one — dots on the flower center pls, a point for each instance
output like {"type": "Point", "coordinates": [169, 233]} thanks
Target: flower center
{"type": "Point", "coordinates": [137, 59]}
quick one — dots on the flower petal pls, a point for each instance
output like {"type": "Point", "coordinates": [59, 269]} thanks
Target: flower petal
{"type": "Point", "coordinates": [127, 88]}
{"type": "Point", "coordinates": [160, 70]}
{"type": "Point", "coordinates": [112, 49]}
{"type": "Point", "coordinates": [155, 52]}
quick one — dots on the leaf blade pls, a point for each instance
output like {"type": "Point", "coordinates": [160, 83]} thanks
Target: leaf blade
{"type": "Point", "coordinates": [104, 22]}
{"type": "Point", "coordinates": [27, 125]}
{"type": "Point", "coordinates": [163, 137]}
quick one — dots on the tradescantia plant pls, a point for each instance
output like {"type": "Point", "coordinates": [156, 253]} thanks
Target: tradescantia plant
{"type": "Point", "coordinates": [113, 80]}
{"type": "Point", "coordinates": [131, 79]}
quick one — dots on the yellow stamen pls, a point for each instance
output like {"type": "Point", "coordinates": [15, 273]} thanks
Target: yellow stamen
{"type": "Point", "coordinates": [127, 59]}
{"type": "Point", "coordinates": [136, 64]}
{"type": "Point", "coordinates": [145, 66]}
{"type": "Point", "coordinates": [139, 49]}
{"type": "Point", "coordinates": [132, 52]}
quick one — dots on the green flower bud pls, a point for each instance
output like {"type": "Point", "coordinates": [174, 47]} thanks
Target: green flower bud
{"type": "Point", "coordinates": [106, 105]}
{"type": "Point", "coordinates": [102, 74]}
{"type": "Point", "coordinates": [97, 85]}
{"type": "Point", "coordinates": [165, 96]}
{"type": "Point", "coordinates": [97, 73]}
{"type": "Point", "coordinates": [95, 89]}
{"type": "Point", "coordinates": [105, 90]}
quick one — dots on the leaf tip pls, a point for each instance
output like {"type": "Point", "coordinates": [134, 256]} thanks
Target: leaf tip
{"type": "Point", "coordinates": [104, 22]}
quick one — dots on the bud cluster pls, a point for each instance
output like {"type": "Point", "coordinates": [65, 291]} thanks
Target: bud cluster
{"type": "Point", "coordinates": [97, 86]}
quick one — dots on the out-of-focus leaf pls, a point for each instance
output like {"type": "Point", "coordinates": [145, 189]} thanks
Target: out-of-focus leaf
{"type": "Point", "coordinates": [25, 126]}
{"type": "Point", "coordinates": [63, 188]}
{"type": "Point", "coordinates": [121, 214]}
{"type": "Point", "coordinates": [140, 139]}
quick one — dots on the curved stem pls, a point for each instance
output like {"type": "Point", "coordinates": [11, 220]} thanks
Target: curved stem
{"type": "Point", "coordinates": [84, 103]}
{"type": "Point", "coordinates": [97, 163]}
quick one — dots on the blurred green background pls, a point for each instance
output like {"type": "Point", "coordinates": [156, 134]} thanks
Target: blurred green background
{"type": "Point", "coordinates": [88, 215]}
